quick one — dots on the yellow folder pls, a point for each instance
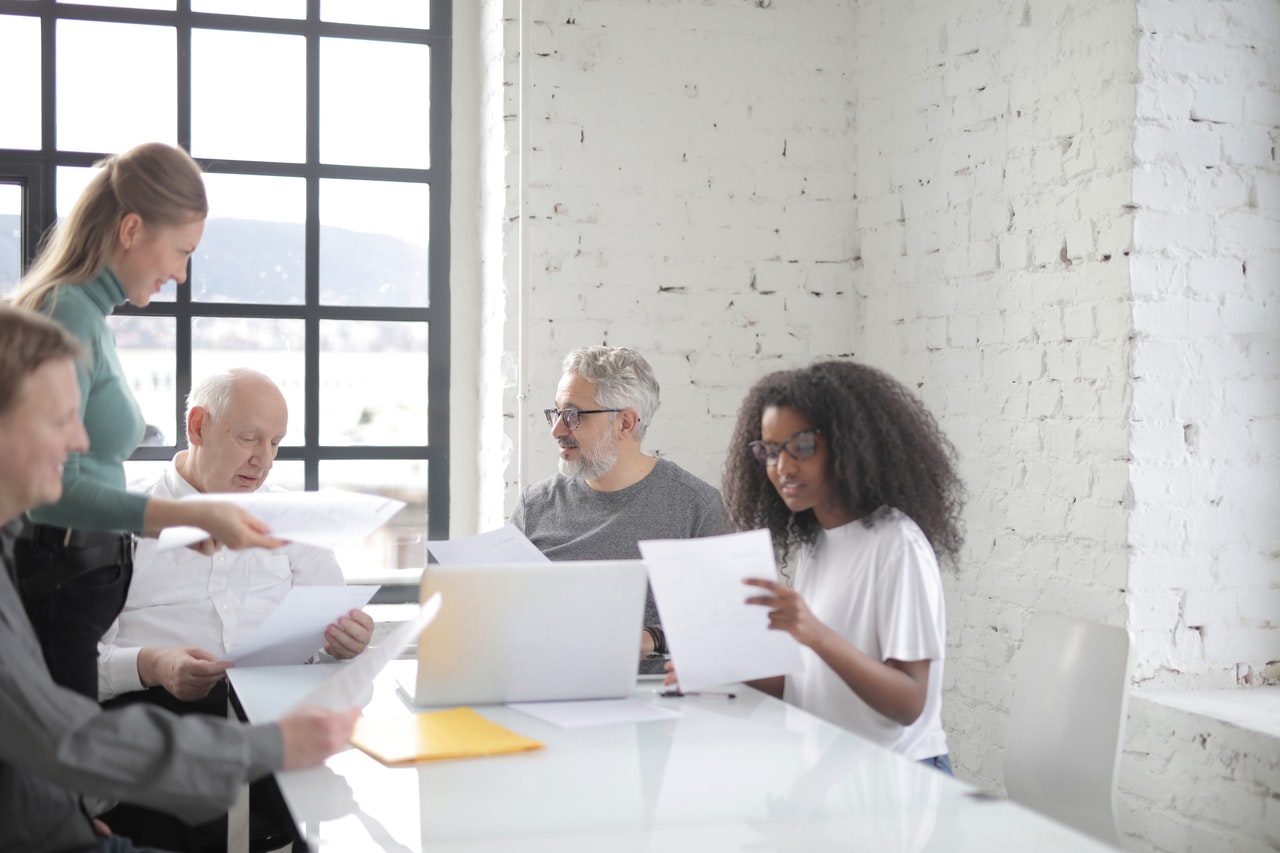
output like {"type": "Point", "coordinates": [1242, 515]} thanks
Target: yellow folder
{"type": "Point", "coordinates": [431, 735]}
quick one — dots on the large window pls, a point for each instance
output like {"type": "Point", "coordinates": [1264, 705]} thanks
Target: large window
{"type": "Point", "coordinates": [322, 126]}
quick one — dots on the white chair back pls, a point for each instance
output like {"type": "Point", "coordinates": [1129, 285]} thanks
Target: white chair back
{"type": "Point", "coordinates": [1064, 737]}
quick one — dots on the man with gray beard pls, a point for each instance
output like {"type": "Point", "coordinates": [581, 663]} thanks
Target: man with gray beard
{"type": "Point", "coordinates": [610, 495]}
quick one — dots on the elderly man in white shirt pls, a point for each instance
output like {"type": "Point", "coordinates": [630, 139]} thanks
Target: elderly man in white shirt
{"type": "Point", "coordinates": [186, 610]}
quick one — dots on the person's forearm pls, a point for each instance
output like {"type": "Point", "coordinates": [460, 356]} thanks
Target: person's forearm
{"type": "Point", "coordinates": [166, 512]}
{"type": "Point", "coordinates": [773, 685]}
{"type": "Point", "coordinates": [886, 689]}
{"type": "Point", "coordinates": [146, 667]}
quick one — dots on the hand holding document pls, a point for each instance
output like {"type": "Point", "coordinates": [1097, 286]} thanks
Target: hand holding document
{"type": "Point", "coordinates": [325, 518]}
{"type": "Point", "coordinates": [715, 637]}
{"type": "Point", "coordinates": [507, 544]}
{"type": "Point", "coordinates": [294, 631]}
{"type": "Point", "coordinates": [352, 684]}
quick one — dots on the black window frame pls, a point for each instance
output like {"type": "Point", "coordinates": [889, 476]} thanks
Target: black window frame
{"type": "Point", "coordinates": [36, 172]}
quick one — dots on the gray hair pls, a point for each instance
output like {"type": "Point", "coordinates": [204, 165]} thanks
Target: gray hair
{"type": "Point", "coordinates": [213, 393]}
{"type": "Point", "coordinates": [623, 380]}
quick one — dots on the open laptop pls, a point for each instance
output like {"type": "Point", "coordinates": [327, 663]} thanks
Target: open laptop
{"type": "Point", "coordinates": [529, 632]}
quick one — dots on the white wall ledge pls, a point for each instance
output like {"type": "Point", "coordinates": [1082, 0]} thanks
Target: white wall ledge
{"type": "Point", "coordinates": [1253, 708]}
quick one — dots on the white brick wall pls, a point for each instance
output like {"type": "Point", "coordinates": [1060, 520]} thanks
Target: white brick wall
{"type": "Point", "coordinates": [1056, 220]}
{"type": "Point", "coordinates": [1003, 297]}
{"type": "Point", "coordinates": [689, 192]}
{"type": "Point", "coordinates": [1205, 591]}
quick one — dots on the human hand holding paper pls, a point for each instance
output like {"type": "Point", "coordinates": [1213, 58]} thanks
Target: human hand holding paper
{"type": "Point", "coordinates": [295, 629]}
{"type": "Point", "coordinates": [715, 637]}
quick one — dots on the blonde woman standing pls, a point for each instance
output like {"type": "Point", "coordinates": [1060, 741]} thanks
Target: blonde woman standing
{"type": "Point", "coordinates": [131, 232]}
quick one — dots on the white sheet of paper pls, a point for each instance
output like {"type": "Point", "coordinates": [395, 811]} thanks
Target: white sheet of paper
{"type": "Point", "coordinates": [294, 630]}
{"type": "Point", "coordinates": [325, 518]}
{"type": "Point", "coordinates": [713, 635]}
{"type": "Point", "coordinates": [507, 544]}
{"type": "Point", "coordinates": [352, 684]}
{"type": "Point", "coordinates": [594, 712]}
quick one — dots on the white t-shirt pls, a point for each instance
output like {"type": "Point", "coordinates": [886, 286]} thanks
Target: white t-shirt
{"type": "Point", "coordinates": [880, 588]}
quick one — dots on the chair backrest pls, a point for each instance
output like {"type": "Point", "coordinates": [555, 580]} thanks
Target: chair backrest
{"type": "Point", "coordinates": [1064, 737]}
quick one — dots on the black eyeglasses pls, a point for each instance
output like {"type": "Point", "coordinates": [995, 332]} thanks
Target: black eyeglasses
{"type": "Point", "coordinates": [572, 417]}
{"type": "Point", "coordinates": [800, 446]}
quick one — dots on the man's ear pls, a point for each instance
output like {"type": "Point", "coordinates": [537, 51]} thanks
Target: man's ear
{"type": "Point", "coordinates": [197, 419]}
{"type": "Point", "coordinates": [628, 420]}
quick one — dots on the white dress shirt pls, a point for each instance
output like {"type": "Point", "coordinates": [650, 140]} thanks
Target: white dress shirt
{"type": "Point", "coordinates": [184, 598]}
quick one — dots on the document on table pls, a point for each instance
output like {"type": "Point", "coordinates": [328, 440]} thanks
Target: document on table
{"type": "Point", "coordinates": [594, 712]}
{"type": "Point", "coordinates": [294, 630]}
{"type": "Point", "coordinates": [507, 544]}
{"type": "Point", "coordinates": [715, 637]}
{"type": "Point", "coordinates": [325, 518]}
{"type": "Point", "coordinates": [435, 735]}
{"type": "Point", "coordinates": [353, 682]}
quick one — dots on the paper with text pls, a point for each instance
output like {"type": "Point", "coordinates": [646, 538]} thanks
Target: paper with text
{"type": "Point", "coordinates": [294, 630]}
{"type": "Point", "coordinates": [594, 712]}
{"type": "Point", "coordinates": [507, 544]}
{"type": "Point", "coordinates": [353, 683]}
{"type": "Point", "coordinates": [326, 518]}
{"type": "Point", "coordinates": [714, 636]}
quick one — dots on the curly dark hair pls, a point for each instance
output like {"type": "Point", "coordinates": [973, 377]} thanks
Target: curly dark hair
{"type": "Point", "coordinates": [884, 449]}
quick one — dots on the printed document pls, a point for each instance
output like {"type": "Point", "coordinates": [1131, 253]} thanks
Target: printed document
{"type": "Point", "coordinates": [713, 635]}
{"type": "Point", "coordinates": [294, 630]}
{"type": "Point", "coordinates": [352, 684]}
{"type": "Point", "coordinates": [582, 713]}
{"type": "Point", "coordinates": [507, 544]}
{"type": "Point", "coordinates": [326, 518]}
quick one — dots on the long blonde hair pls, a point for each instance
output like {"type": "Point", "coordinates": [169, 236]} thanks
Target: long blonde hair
{"type": "Point", "coordinates": [160, 183]}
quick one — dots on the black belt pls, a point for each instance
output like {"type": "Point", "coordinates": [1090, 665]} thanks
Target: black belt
{"type": "Point", "coordinates": [51, 536]}
{"type": "Point", "coordinates": [66, 554]}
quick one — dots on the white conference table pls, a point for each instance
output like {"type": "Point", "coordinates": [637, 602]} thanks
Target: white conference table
{"type": "Point", "coordinates": [750, 773]}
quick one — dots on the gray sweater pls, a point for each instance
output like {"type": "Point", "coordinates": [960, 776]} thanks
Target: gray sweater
{"type": "Point", "coordinates": [568, 520]}
{"type": "Point", "coordinates": [56, 745]}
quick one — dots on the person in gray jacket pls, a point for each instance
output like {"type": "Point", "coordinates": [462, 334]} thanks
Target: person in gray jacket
{"type": "Point", "coordinates": [610, 494]}
{"type": "Point", "coordinates": [58, 747]}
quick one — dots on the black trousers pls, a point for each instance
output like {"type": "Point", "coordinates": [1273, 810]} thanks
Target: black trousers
{"type": "Point", "coordinates": [268, 816]}
{"type": "Point", "coordinates": [73, 587]}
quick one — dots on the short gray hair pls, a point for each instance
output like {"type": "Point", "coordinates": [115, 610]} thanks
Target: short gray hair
{"type": "Point", "coordinates": [213, 393]}
{"type": "Point", "coordinates": [623, 380]}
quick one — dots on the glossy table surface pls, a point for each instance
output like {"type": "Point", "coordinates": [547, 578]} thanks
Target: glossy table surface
{"type": "Point", "coordinates": [749, 773]}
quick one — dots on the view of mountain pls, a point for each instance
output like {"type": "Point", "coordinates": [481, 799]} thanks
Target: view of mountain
{"type": "Point", "coordinates": [242, 260]}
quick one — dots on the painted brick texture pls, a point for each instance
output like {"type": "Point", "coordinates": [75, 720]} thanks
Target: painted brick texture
{"type": "Point", "coordinates": [689, 193]}
{"type": "Point", "coordinates": [1205, 566]}
{"type": "Point", "coordinates": [994, 280]}
{"type": "Point", "coordinates": [1058, 221]}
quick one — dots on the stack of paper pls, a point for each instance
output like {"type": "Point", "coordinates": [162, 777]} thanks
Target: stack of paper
{"type": "Point", "coordinates": [431, 735]}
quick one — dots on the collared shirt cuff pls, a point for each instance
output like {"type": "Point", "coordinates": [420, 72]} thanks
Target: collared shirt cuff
{"type": "Point", "coordinates": [119, 674]}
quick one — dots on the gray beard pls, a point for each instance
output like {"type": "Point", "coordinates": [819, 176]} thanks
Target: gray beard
{"type": "Point", "coordinates": [591, 466]}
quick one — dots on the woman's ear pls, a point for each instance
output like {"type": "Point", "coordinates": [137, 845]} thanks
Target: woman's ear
{"type": "Point", "coordinates": [129, 231]}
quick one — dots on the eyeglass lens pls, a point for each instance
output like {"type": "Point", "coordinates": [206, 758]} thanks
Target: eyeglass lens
{"type": "Point", "coordinates": [569, 416]}
{"type": "Point", "coordinates": [800, 447]}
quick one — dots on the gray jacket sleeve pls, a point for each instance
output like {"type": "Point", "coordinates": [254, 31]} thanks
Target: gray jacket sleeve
{"type": "Point", "coordinates": [189, 766]}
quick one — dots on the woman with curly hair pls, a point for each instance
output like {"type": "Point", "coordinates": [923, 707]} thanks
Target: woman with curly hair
{"type": "Point", "coordinates": [849, 471]}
